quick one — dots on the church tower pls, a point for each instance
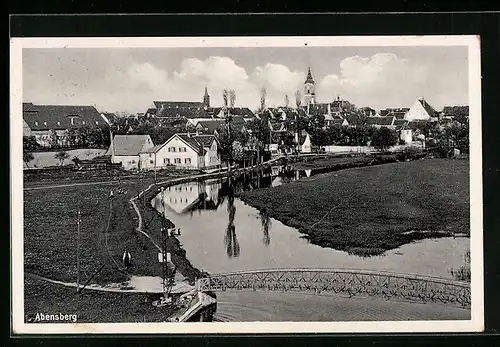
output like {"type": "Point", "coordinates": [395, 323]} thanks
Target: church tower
{"type": "Point", "coordinates": [309, 85]}
{"type": "Point", "coordinates": [206, 99]}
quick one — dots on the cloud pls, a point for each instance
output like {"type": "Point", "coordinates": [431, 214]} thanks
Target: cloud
{"type": "Point", "coordinates": [381, 80]}
{"type": "Point", "coordinates": [146, 75]}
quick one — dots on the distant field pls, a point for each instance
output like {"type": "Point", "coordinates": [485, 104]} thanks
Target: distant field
{"type": "Point", "coordinates": [44, 159]}
{"type": "Point", "coordinates": [366, 211]}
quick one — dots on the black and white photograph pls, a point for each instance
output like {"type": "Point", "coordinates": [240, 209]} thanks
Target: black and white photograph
{"type": "Point", "coordinates": [246, 184]}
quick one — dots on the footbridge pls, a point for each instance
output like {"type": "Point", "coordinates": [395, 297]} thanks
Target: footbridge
{"type": "Point", "coordinates": [407, 287]}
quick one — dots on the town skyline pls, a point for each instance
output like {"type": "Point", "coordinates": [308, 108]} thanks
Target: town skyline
{"type": "Point", "coordinates": [130, 79]}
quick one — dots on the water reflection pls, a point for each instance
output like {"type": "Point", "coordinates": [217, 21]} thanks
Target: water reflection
{"type": "Point", "coordinates": [230, 239]}
{"type": "Point", "coordinates": [210, 195]}
{"type": "Point", "coordinates": [187, 198]}
{"type": "Point", "coordinates": [265, 221]}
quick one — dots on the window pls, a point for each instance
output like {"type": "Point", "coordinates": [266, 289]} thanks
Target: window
{"type": "Point", "coordinates": [133, 161]}
{"type": "Point", "coordinates": [177, 160]}
{"type": "Point", "coordinates": [151, 162]}
{"type": "Point", "coordinates": [171, 149]}
{"type": "Point", "coordinates": [166, 161]}
{"type": "Point", "coordinates": [187, 160]}
{"type": "Point", "coordinates": [182, 149]}
{"type": "Point", "coordinates": [150, 155]}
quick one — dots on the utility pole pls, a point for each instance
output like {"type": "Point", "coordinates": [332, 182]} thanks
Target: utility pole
{"type": "Point", "coordinates": [78, 252]}
{"type": "Point", "coordinates": [155, 168]}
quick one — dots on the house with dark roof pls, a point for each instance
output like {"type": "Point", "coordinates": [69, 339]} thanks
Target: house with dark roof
{"type": "Point", "coordinates": [385, 112]}
{"type": "Point", "coordinates": [421, 110]}
{"type": "Point", "coordinates": [244, 112]}
{"type": "Point", "coordinates": [41, 120]}
{"type": "Point", "coordinates": [184, 151]}
{"type": "Point", "coordinates": [125, 149]}
{"type": "Point", "coordinates": [211, 127]}
{"type": "Point", "coordinates": [381, 121]}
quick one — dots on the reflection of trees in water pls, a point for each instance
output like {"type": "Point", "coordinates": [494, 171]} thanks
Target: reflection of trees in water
{"type": "Point", "coordinates": [230, 240]}
{"type": "Point", "coordinates": [265, 222]}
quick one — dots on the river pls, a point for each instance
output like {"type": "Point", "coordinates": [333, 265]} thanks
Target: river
{"type": "Point", "coordinates": [220, 233]}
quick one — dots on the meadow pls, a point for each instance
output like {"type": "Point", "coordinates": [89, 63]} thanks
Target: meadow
{"type": "Point", "coordinates": [369, 210]}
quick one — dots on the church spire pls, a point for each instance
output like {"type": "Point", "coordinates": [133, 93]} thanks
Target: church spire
{"type": "Point", "coordinates": [309, 78]}
{"type": "Point", "coordinates": [206, 98]}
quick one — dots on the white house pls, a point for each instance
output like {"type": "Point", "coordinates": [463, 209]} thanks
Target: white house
{"type": "Point", "coordinates": [421, 110]}
{"type": "Point", "coordinates": [184, 151]}
{"type": "Point", "coordinates": [125, 149]}
{"type": "Point", "coordinates": [306, 144]}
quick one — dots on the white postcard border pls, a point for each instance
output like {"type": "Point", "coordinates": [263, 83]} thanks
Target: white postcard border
{"type": "Point", "coordinates": [476, 239]}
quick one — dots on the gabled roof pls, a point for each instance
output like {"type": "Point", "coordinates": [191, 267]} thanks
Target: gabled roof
{"type": "Point", "coordinates": [205, 140]}
{"type": "Point", "coordinates": [428, 108]}
{"type": "Point", "coordinates": [130, 144]}
{"type": "Point", "coordinates": [234, 111]}
{"type": "Point", "coordinates": [381, 120]}
{"type": "Point", "coordinates": [150, 112]}
{"type": "Point", "coordinates": [338, 121]}
{"type": "Point", "coordinates": [184, 112]}
{"type": "Point", "coordinates": [397, 114]}
{"type": "Point", "coordinates": [210, 125]}
{"type": "Point", "coordinates": [318, 109]}
{"type": "Point", "coordinates": [401, 124]}
{"type": "Point", "coordinates": [386, 111]}
{"type": "Point", "coordinates": [191, 141]}
{"type": "Point", "coordinates": [58, 117]}
{"type": "Point", "coordinates": [29, 107]}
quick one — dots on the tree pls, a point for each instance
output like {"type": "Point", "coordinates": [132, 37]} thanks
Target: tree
{"type": "Point", "coordinates": [317, 121]}
{"type": "Point", "coordinates": [72, 136]}
{"type": "Point", "coordinates": [287, 142]}
{"type": "Point", "coordinates": [384, 138]}
{"type": "Point", "coordinates": [237, 151]}
{"type": "Point", "coordinates": [298, 99]}
{"type": "Point", "coordinates": [76, 161]}
{"type": "Point", "coordinates": [27, 157]}
{"type": "Point", "coordinates": [225, 96]}
{"type": "Point", "coordinates": [263, 95]}
{"type": "Point", "coordinates": [61, 156]}
{"type": "Point", "coordinates": [287, 102]}
{"type": "Point", "coordinates": [30, 143]}
{"type": "Point", "coordinates": [54, 139]}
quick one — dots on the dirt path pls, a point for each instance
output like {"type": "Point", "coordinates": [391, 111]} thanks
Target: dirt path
{"type": "Point", "coordinates": [182, 287]}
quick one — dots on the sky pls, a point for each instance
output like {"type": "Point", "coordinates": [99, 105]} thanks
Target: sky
{"type": "Point", "coordinates": [130, 79]}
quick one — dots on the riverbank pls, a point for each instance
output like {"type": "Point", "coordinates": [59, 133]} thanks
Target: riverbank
{"type": "Point", "coordinates": [367, 211]}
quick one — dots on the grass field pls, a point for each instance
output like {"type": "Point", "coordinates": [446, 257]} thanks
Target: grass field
{"type": "Point", "coordinates": [50, 234]}
{"type": "Point", "coordinates": [316, 163]}
{"type": "Point", "coordinates": [366, 211]}
{"type": "Point", "coordinates": [91, 306]}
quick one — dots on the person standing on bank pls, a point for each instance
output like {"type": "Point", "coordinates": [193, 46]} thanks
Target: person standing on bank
{"type": "Point", "coordinates": [127, 259]}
